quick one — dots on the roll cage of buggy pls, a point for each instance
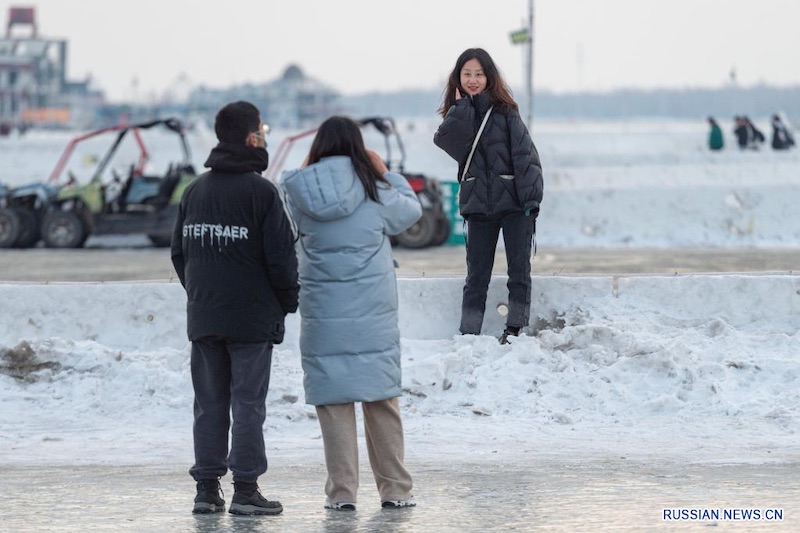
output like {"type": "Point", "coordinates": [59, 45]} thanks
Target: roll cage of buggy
{"type": "Point", "coordinates": [433, 228]}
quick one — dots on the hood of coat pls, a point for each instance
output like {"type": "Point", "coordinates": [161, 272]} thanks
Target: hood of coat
{"type": "Point", "coordinates": [237, 159]}
{"type": "Point", "coordinates": [326, 190]}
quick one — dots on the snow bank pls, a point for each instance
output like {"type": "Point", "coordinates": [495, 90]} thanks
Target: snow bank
{"type": "Point", "coordinates": [152, 315]}
{"type": "Point", "coordinates": [682, 366]}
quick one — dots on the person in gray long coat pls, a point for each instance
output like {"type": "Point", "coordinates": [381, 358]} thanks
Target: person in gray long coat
{"type": "Point", "coordinates": [346, 204]}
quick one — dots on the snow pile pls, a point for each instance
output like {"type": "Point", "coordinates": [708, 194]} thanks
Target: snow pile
{"type": "Point", "coordinates": [699, 366]}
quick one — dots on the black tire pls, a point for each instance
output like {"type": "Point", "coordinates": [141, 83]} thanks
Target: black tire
{"type": "Point", "coordinates": [63, 229]}
{"type": "Point", "coordinates": [442, 230]}
{"type": "Point", "coordinates": [421, 234]}
{"type": "Point", "coordinates": [9, 227]}
{"type": "Point", "coordinates": [29, 233]}
{"type": "Point", "coordinates": [160, 241]}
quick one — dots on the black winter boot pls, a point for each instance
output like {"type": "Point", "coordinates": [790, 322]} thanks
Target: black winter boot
{"type": "Point", "coordinates": [208, 499]}
{"type": "Point", "coordinates": [247, 500]}
{"type": "Point", "coordinates": [510, 331]}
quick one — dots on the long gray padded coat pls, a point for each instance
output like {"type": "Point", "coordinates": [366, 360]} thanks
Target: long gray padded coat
{"type": "Point", "coordinates": [349, 336]}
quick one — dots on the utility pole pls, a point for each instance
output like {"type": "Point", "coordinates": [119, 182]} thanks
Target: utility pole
{"type": "Point", "coordinates": [529, 77]}
{"type": "Point", "coordinates": [525, 36]}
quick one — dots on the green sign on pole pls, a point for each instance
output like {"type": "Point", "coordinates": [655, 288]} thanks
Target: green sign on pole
{"type": "Point", "coordinates": [520, 36]}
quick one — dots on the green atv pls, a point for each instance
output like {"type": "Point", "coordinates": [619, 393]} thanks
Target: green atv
{"type": "Point", "coordinates": [131, 204]}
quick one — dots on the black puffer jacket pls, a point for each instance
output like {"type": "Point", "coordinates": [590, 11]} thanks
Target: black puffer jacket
{"type": "Point", "coordinates": [505, 174]}
{"type": "Point", "coordinates": [233, 250]}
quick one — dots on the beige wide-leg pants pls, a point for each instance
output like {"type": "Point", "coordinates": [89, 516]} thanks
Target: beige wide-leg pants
{"type": "Point", "coordinates": [383, 429]}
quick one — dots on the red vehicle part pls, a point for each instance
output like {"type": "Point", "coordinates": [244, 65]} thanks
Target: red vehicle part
{"type": "Point", "coordinates": [417, 183]}
{"type": "Point", "coordinates": [62, 161]}
{"type": "Point", "coordinates": [283, 151]}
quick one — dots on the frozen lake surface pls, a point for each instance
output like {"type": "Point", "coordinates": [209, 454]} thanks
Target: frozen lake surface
{"type": "Point", "coordinates": [527, 495]}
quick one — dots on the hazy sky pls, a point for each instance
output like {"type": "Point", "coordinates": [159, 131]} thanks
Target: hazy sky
{"type": "Point", "coordinates": [140, 48]}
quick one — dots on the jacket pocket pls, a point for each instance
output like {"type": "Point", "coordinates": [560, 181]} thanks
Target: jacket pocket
{"type": "Point", "coordinates": [465, 189]}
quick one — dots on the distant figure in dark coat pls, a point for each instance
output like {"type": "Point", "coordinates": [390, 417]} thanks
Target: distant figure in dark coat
{"type": "Point", "coordinates": [715, 139]}
{"type": "Point", "coordinates": [741, 131]}
{"type": "Point", "coordinates": [748, 136]}
{"type": "Point", "coordinates": [782, 138]}
{"type": "Point", "coordinates": [757, 136]}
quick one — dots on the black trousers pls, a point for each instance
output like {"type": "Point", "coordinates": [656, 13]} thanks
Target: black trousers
{"type": "Point", "coordinates": [482, 235]}
{"type": "Point", "coordinates": [229, 377]}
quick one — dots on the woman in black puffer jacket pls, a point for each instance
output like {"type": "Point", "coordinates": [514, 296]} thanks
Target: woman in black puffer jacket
{"type": "Point", "coordinates": [501, 185]}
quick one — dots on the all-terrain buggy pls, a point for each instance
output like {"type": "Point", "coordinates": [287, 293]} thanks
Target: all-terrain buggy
{"type": "Point", "coordinates": [64, 212]}
{"type": "Point", "coordinates": [433, 228]}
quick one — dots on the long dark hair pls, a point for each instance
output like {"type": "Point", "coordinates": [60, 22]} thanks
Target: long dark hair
{"type": "Point", "coordinates": [342, 136]}
{"type": "Point", "coordinates": [496, 86]}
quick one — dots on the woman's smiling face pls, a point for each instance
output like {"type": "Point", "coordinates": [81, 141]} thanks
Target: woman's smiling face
{"type": "Point", "coordinates": [473, 79]}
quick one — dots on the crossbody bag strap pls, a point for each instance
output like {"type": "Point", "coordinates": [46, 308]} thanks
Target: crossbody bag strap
{"type": "Point", "coordinates": [475, 143]}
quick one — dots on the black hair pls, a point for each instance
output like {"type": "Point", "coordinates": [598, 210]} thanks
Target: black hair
{"type": "Point", "coordinates": [340, 135]}
{"type": "Point", "coordinates": [236, 121]}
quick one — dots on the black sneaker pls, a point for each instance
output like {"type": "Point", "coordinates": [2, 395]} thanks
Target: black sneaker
{"type": "Point", "coordinates": [247, 500]}
{"type": "Point", "coordinates": [209, 497]}
{"type": "Point", "coordinates": [510, 331]}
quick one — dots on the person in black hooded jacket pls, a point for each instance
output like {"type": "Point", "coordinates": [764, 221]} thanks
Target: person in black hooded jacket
{"type": "Point", "coordinates": [782, 138]}
{"type": "Point", "coordinates": [500, 184]}
{"type": "Point", "coordinates": [233, 249]}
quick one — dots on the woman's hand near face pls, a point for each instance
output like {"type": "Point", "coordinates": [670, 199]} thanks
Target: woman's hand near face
{"type": "Point", "coordinates": [377, 162]}
{"type": "Point", "coordinates": [458, 94]}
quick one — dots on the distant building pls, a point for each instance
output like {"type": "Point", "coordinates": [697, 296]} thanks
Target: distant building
{"type": "Point", "coordinates": [34, 90]}
{"type": "Point", "coordinates": [292, 101]}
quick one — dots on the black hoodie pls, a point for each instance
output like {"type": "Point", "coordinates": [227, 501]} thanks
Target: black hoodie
{"type": "Point", "coordinates": [233, 250]}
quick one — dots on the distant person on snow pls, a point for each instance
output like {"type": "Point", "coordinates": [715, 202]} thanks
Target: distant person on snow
{"type": "Point", "coordinates": [756, 135]}
{"type": "Point", "coordinates": [501, 185]}
{"type": "Point", "coordinates": [234, 251]}
{"type": "Point", "coordinates": [741, 131]}
{"type": "Point", "coordinates": [748, 136]}
{"type": "Point", "coordinates": [782, 138]}
{"type": "Point", "coordinates": [715, 138]}
{"type": "Point", "coordinates": [347, 204]}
